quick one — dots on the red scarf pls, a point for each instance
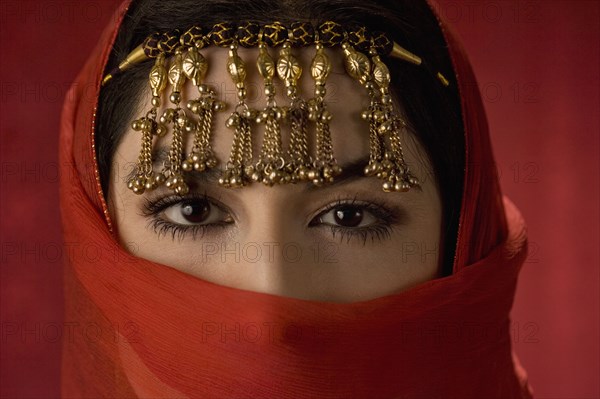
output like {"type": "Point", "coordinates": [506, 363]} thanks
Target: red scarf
{"type": "Point", "coordinates": [141, 329]}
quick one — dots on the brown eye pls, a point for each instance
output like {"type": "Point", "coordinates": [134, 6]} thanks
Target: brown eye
{"type": "Point", "coordinates": [195, 212]}
{"type": "Point", "coordinates": [348, 216]}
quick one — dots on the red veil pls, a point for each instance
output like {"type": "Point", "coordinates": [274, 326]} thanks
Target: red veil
{"type": "Point", "coordinates": [141, 329]}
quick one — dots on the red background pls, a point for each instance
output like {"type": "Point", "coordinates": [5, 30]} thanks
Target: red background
{"type": "Point", "coordinates": [537, 63]}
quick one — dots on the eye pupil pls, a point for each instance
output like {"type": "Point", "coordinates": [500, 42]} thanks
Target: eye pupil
{"type": "Point", "coordinates": [348, 216]}
{"type": "Point", "coordinates": [196, 211]}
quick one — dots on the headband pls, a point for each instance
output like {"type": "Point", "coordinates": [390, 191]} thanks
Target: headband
{"type": "Point", "coordinates": [363, 52]}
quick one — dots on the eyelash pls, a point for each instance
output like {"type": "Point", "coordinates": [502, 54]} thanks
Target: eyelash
{"type": "Point", "coordinates": [162, 227]}
{"type": "Point", "coordinates": [381, 231]}
{"type": "Point", "coordinates": [387, 214]}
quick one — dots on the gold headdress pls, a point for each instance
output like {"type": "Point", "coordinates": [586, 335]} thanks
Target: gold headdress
{"type": "Point", "coordinates": [362, 51]}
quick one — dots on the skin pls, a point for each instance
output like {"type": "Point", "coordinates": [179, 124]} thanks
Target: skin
{"type": "Point", "coordinates": [279, 239]}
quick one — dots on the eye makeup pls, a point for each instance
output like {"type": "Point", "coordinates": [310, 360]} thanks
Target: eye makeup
{"type": "Point", "coordinates": [193, 216]}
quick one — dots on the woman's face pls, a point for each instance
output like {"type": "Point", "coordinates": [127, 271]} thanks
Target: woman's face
{"type": "Point", "coordinates": [349, 241]}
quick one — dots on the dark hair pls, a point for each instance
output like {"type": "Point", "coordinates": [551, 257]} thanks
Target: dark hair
{"type": "Point", "coordinates": [432, 109]}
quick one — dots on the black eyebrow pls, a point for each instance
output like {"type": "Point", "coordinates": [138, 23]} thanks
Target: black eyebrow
{"type": "Point", "coordinates": [350, 172]}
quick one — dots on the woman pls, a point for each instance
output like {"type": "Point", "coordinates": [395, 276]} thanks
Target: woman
{"type": "Point", "coordinates": [419, 308]}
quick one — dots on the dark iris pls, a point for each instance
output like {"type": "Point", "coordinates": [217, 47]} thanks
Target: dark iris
{"type": "Point", "coordinates": [348, 216]}
{"type": "Point", "coordinates": [195, 211]}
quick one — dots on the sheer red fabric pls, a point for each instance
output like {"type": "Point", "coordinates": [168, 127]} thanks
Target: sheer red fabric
{"type": "Point", "coordinates": [152, 331]}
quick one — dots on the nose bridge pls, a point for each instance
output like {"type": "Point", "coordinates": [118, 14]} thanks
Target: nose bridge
{"type": "Point", "coordinates": [272, 238]}
{"type": "Point", "coordinates": [271, 225]}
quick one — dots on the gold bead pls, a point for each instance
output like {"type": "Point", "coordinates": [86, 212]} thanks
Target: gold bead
{"type": "Point", "coordinates": [161, 130]}
{"type": "Point", "coordinates": [402, 187]}
{"type": "Point", "coordinates": [167, 116]}
{"type": "Point", "coordinates": [385, 127]}
{"type": "Point", "coordinates": [269, 90]}
{"type": "Point", "coordinates": [182, 189]}
{"type": "Point", "coordinates": [181, 120]}
{"type": "Point", "coordinates": [158, 79]}
{"type": "Point", "coordinates": [194, 66]}
{"type": "Point", "coordinates": [159, 179]}
{"type": "Point", "coordinates": [387, 186]}
{"type": "Point", "coordinates": [186, 166]}
{"type": "Point", "coordinates": [212, 162]}
{"type": "Point", "coordinates": [155, 101]}
{"type": "Point", "coordinates": [205, 103]}
{"type": "Point", "coordinates": [381, 73]}
{"type": "Point", "coordinates": [141, 124]}
{"type": "Point", "coordinates": [326, 116]}
{"type": "Point", "coordinates": [139, 183]}
{"type": "Point", "coordinates": [175, 97]}
{"type": "Point", "coordinates": [320, 91]}
{"type": "Point", "coordinates": [284, 112]}
{"type": "Point", "coordinates": [236, 67]}
{"type": "Point", "coordinates": [199, 166]}
{"type": "Point", "coordinates": [379, 116]}
{"type": "Point", "coordinates": [265, 64]}
{"type": "Point", "coordinates": [357, 64]}
{"type": "Point", "coordinates": [278, 113]}
{"type": "Point", "coordinates": [233, 121]}
{"type": "Point", "coordinates": [268, 182]}
{"type": "Point", "coordinates": [291, 91]}
{"type": "Point", "coordinates": [320, 67]}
